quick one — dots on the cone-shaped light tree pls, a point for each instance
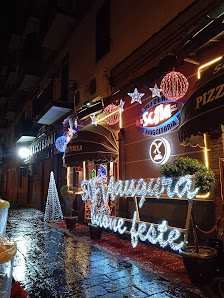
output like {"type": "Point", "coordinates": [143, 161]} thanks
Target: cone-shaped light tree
{"type": "Point", "coordinates": [53, 208]}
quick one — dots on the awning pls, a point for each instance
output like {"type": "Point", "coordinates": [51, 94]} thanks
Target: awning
{"type": "Point", "coordinates": [204, 110]}
{"type": "Point", "coordinates": [97, 143]}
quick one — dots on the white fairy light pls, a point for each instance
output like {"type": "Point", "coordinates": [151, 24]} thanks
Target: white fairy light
{"type": "Point", "coordinates": [93, 188]}
{"type": "Point", "coordinates": [162, 228]}
{"type": "Point", "coordinates": [183, 187]}
{"type": "Point", "coordinates": [174, 235]}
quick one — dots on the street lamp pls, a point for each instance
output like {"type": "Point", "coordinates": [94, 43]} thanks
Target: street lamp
{"type": "Point", "coordinates": [24, 152]}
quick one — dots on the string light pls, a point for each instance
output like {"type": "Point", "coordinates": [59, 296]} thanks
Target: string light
{"type": "Point", "coordinates": [207, 64]}
{"type": "Point", "coordinates": [183, 187]}
{"type": "Point", "coordinates": [154, 236]}
{"type": "Point", "coordinates": [111, 114]}
{"type": "Point", "coordinates": [93, 187]}
{"type": "Point", "coordinates": [174, 85]}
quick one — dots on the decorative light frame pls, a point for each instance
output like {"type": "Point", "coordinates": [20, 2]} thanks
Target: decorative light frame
{"type": "Point", "coordinates": [141, 188]}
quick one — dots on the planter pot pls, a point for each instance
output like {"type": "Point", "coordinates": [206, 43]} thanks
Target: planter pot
{"type": "Point", "coordinates": [95, 231]}
{"type": "Point", "coordinates": [71, 222]}
{"type": "Point", "coordinates": [201, 267]}
{"type": "Point", "coordinates": [218, 245]}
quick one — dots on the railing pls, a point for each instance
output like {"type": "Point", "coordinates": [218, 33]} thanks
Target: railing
{"type": "Point", "coordinates": [53, 92]}
{"type": "Point", "coordinates": [25, 128]}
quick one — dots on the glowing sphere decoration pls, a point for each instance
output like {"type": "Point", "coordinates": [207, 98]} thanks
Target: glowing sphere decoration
{"type": "Point", "coordinates": [61, 143]}
{"type": "Point", "coordinates": [115, 114]}
{"type": "Point", "coordinates": [174, 85]}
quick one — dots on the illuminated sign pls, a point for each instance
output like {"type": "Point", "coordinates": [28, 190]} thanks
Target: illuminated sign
{"type": "Point", "coordinates": [74, 148]}
{"type": "Point", "coordinates": [159, 151]}
{"type": "Point", "coordinates": [42, 143]}
{"type": "Point", "coordinates": [160, 116]}
{"type": "Point", "coordinates": [164, 235]}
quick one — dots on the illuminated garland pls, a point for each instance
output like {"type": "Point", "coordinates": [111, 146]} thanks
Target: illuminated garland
{"type": "Point", "coordinates": [93, 188]}
{"type": "Point", "coordinates": [152, 236]}
{"type": "Point", "coordinates": [183, 187]}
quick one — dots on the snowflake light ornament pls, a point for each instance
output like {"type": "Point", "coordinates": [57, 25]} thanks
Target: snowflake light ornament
{"type": "Point", "coordinates": [94, 119]}
{"type": "Point", "coordinates": [155, 91]}
{"type": "Point", "coordinates": [136, 96]}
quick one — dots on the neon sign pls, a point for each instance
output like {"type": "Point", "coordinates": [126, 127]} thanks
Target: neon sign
{"type": "Point", "coordinates": [160, 116]}
{"type": "Point", "coordinates": [93, 188]}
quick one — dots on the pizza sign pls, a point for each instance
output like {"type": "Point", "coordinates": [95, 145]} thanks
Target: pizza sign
{"type": "Point", "coordinates": [159, 117]}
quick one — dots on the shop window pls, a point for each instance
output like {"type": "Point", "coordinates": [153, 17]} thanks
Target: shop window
{"type": "Point", "coordinates": [103, 30]}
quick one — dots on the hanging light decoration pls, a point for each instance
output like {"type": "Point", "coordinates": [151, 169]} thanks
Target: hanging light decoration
{"type": "Point", "coordinates": [174, 85]}
{"type": "Point", "coordinates": [114, 113]}
{"type": "Point", "coordinates": [61, 143]}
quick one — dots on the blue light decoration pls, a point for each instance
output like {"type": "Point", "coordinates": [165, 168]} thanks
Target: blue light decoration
{"type": "Point", "coordinates": [102, 172]}
{"type": "Point", "coordinates": [61, 143]}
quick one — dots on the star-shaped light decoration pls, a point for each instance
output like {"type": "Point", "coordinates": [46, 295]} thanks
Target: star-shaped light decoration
{"type": "Point", "coordinates": [76, 122]}
{"type": "Point", "coordinates": [94, 119]}
{"type": "Point", "coordinates": [155, 91]}
{"type": "Point", "coordinates": [121, 105]}
{"type": "Point", "coordinates": [136, 96]}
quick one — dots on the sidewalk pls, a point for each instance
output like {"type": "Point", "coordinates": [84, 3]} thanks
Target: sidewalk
{"type": "Point", "coordinates": [53, 262]}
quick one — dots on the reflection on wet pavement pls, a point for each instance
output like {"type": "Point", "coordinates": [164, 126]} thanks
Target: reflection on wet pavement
{"type": "Point", "coordinates": [50, 263]}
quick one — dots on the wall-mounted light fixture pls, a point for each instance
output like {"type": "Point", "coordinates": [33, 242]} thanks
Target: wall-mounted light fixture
{"type": "Point", "coordinates": [24, 152]}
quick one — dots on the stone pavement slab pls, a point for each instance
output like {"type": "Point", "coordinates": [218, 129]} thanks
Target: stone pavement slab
{"type": "Point", "coordinates": [51, 262]}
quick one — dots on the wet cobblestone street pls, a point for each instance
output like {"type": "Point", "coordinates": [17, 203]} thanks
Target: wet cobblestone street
{"type": "Point", "coordinates": [51, 263]}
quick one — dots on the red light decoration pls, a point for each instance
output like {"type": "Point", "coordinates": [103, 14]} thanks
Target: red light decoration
{"type": "Point", "coordinates": [174, 85]}
{"type": "Point", "coordinates": [115, 114]}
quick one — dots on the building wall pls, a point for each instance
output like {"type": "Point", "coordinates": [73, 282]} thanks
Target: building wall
{"type": "Point", "coordinates": [132, 23]}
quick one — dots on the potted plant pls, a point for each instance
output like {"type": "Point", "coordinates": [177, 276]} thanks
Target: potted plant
{"type": "Point", "coordinates": [204, 177]}
{"type": "Point", "coordinates": [200, 261]}
{"type": "Point", "coordinates": [68, 194]}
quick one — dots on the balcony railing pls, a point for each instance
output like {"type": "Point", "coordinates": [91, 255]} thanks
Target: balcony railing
{"type": "Point", "coordinates": [53, 102]}
{"type": "Point", "coordinates": [25, 131]}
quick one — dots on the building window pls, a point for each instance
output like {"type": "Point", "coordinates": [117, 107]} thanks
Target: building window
{"type": "Point", "coordinates": [103, 30]}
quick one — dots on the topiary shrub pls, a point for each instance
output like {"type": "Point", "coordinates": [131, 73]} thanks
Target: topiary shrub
{"type": "Point", "coordinates": [68, 194]}
{"type": "Point", "coordinates": [204, 177]}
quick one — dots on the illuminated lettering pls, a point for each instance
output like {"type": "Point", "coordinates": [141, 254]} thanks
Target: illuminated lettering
{"type": "Point", "coordinates": [160, 113]}
{"type": "Point", "coordinates": [209, 96]}
{"type": "Point", "coordinates": [219, 88]}
{"type": "Point", "coordinates": [164, 235]}
{"type": "Point", "coordinates": [199, 100]}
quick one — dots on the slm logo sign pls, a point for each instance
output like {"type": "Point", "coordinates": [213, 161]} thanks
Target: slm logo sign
{"type": "Point", "coordinates": [159, 117]}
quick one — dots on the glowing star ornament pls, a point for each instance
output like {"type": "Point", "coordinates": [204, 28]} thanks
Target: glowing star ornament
{"type": "Point", "coordinates": [136, 96]}
{"type": "Point", "coordinates": [174, 85]}
{"type": "Point", "coordinates": [155, 91]}
{"type": "Point", "coordinates": [121, 105]}
{"type": "Point", "coordinates": [94, 119]}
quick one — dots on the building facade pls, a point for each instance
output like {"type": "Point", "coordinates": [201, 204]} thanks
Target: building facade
{"type": "Point", "coordinates": [79, 57]}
